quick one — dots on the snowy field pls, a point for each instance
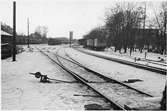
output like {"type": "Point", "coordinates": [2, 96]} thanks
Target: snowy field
{"type": "Point", "coordinates": [152, 83]}
{"type": "Point", "coordinates": [21, 91]}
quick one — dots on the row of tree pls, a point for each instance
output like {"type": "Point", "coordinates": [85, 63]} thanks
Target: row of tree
{"type": "Point", "coordinates": [125, 28]}
{"type": "Point", "coordinates": [39, 36]}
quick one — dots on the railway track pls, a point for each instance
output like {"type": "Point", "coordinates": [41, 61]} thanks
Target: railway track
{"type": "Point", "coordinates": [80, 79]}
{"type": "Point", "coordinates": [137, 65]}
{"type": "Point", "coordinates": [108, 78]}
{"type": "Point", "coordinates": [100, 74]}
{"type": "Point", "coordinates": [127, 98]}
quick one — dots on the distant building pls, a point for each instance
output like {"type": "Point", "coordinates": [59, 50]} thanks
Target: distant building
{"type": "Point", "coordinates": [58, 40]}
{"type": "Point", "coordinates": [146, 37]}
{"type": "Point", "coordinates": [63, 40]}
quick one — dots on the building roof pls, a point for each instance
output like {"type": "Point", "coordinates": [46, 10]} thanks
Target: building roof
{"type": "Point", "coordinates": [5, 33]}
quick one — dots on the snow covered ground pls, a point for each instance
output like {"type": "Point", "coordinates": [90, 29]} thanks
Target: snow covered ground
{"type": "Point", "coordinates": [23, 91]}
{"type": "Point", "coordinates": [111, 90]}
{"type": "Point", "coordinates": [20, 90]}
{"type": "Point", "coordinates": [152, 83]}
{"type": "Point", "coordinates": [150, 55]}
{"type": "Point", "coordinates": [151, 59]}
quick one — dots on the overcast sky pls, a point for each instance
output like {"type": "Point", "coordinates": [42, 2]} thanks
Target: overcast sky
{"type": "Point", "coordinates": [60, 16]}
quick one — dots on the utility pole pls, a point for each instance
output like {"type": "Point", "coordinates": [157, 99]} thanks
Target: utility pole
{"type": "Point", "coordinates": [144, 22]}
{"type": "Point", "coordinates": [14, 30]}
{"type": "Point", "coordinates": [144, 16]}
{"type": "Point", "coordinates": [28, 32]}
{"type": "Point", "coordinates": [165, 23]}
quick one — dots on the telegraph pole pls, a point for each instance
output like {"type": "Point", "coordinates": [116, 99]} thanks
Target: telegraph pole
{"type": "Point", "coordinates": [144, 16]}
{"type": "Point", "coordinates": [144, 30]}
{"type": "Point", "coordinates": [165, 23]}
{"type": "Point", "coordinates": [144, 22]}
{"type": "Point", "coordinates": [14, 30]}
{"type": "Point", "coordinates": [28, 32]}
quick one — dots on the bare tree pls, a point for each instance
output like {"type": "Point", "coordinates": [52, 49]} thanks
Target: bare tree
{"type": "Point", "coordinates": [121, 21]}
{"type": "Point", "coordinates": [41, 34]}
{"type": "Point", "coordinates": [161, 20]}
{"type": "Point", "coordinates": [98, 32]}
{"type": "Point", "coordinates": [42, 30]}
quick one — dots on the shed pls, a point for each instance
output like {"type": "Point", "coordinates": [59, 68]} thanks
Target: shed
{"type": "Point", "coordinates": [6, 37]}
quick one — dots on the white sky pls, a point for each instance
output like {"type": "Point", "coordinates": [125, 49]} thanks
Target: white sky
{"type": "Point", "coordinates": [60, 16]}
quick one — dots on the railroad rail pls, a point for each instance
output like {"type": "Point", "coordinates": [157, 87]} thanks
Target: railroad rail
{"type": "Point", "coordinates": [87, 83]}
{"type": "Point", "coordinates": [114, 104]}
{"type": "Point", "coordinates": [154, 62]}
{"type": "Point", "coordinates": [108, 78]}
{"type": "Point", "coordinates": [137, 65]}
